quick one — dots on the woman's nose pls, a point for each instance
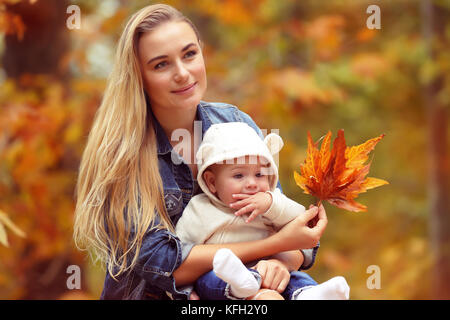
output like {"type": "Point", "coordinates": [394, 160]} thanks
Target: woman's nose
{"type": "Point", "coordinates": [181, 73]}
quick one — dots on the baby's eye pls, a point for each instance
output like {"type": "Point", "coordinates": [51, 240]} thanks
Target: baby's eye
{"type": "Point", "coordinates": [259, 175]}
{"type": "Point", "coordinates": [238, 176]}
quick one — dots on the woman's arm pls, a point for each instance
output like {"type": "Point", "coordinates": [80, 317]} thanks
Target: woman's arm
{"type": "Point", "coordinates": [200, 258]}
{"type": "Point", "coordinates": [295, 235]}
{"type": "Point", "coordinates": [292, 260]}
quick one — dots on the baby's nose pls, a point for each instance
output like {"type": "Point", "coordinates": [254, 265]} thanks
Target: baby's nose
{"type": "Point", "coordinates": [251, 183]}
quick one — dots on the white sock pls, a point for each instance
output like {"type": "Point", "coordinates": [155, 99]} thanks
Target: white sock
{"type": "Point", "coordinates": [228, 267]}
{"type": "Point", "coordinates": [334, 289]}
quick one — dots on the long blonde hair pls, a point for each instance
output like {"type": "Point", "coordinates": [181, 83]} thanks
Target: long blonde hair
{"type": "Point", "coordinates": [119, 189]}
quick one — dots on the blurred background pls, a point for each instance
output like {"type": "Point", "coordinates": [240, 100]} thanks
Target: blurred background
{"type": "Point", "coordinates": [296, 66]}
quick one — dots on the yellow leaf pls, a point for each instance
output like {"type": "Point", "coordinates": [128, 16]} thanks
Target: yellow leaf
{"type": "Point", "coordinates": [4, 220]}
{"type": "Point", "coordinates": [3, 237]}
{"type": "Point", "coordinates": [371, 183]}
{"type": "Point", "coordinates": [338, 176]}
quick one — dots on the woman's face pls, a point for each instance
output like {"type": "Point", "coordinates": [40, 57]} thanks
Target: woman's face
{"type": "Point", "coordinates": [172, 66]}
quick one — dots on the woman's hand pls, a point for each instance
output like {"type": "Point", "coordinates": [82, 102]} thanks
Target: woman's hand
{"type": "Point", "coordinates": [274, 274]}
{"type": "Point", "coordinates": [298, 235]}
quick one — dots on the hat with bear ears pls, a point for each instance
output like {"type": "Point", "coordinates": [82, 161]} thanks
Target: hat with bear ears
{"type": "Point", "coordinates": [224, 142]}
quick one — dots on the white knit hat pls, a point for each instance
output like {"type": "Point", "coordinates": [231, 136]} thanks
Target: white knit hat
{"type": "Point", "coordinates": [226, 141]}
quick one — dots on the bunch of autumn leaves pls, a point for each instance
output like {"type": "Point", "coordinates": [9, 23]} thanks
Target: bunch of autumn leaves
{"type": "Point", "coordinates": [338, 176]}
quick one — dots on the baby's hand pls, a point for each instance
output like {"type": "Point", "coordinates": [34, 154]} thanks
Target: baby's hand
{"type": "Point", "coordinates": [255, 204]}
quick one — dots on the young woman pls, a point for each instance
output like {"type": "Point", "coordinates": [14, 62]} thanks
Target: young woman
{"type": "Point", "coordinates": [132, 186]}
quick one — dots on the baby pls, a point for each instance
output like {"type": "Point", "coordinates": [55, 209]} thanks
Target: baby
{"type": "Point", "coordinates": [238, 176]}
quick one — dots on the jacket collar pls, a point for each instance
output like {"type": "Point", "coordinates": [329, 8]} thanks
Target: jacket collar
{"type": "Point", "coordinates": [163, 143]}
{"type": "Point", "coordinates": [202, 115]}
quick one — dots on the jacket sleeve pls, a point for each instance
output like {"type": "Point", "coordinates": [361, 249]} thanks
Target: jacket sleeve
{"type": "Point", "coordinates": [283, 209]}
{"type": "Point", "coordinates": [309, 257]}
{"type": "Point", "coordinates": [160, 255]}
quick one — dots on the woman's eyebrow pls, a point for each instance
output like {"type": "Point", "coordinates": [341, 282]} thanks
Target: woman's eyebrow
{"type": "Point", "coordinates": [165, 56]}
{"type": "Point", "coordinates": [188, 46]}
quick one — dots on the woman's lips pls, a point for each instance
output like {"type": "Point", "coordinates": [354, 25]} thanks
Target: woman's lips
{"type": "Point", "coordinates": [185, 89]}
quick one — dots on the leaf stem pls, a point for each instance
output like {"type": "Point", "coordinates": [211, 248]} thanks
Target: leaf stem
{"type": "Point", "coordinates": [318, 202]}
{"type": "Point", "coordinates": [314, 220]}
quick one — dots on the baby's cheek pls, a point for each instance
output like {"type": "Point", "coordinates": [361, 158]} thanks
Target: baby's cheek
{"type": "Point", "coordinates": [227, 198]}
{"type": "Point", "coordinates": [266, 185]}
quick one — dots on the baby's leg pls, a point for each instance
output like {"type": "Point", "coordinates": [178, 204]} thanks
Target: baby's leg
{"type": "Point", "coordinates": [229, 268]}
{"type": "Point", "coordinates": [298, 280]}
{"type": "Point", "coordinates": [267, 294]}
{"type": "Point", "coordinates": [210, 287]}
{"type": "Point", "coordinates": [334, 289]}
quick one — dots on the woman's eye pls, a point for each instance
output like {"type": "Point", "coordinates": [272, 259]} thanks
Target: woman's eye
{"type": "Point", "coordinates": [160, 65]}
{"type": "Point", "coordinates": [190, 54]}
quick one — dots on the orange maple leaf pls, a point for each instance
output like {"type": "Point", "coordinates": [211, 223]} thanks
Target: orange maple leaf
{"type": "Point", "coordinates": [338, 176]}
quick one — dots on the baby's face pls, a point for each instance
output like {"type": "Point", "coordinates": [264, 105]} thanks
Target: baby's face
{"type": "Point", "coordinates": [246, 178]}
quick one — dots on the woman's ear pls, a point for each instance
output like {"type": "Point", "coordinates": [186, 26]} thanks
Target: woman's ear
{"type": "Point", "coordinates": [210, 180]}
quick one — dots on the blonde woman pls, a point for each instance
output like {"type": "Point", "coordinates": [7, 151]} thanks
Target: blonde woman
{"type": "Point", "coordinates": [133, 185]}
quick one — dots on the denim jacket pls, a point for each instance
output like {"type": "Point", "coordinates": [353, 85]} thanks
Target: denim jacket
{"type": "Point", "coordinates": [162, 252]}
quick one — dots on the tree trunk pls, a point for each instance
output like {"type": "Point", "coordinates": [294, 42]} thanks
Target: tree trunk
{"type": "Point", "coordinates": [438, 161]}
{"type": "Point", "coordinates": [45, 41]}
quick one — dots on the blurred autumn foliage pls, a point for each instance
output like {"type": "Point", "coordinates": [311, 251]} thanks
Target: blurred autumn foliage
{"type": "Point", "coordinates": [296, 66]}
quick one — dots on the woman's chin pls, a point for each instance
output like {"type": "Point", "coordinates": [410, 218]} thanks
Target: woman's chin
{"type": "Point", "coordinates": [188, 102]}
